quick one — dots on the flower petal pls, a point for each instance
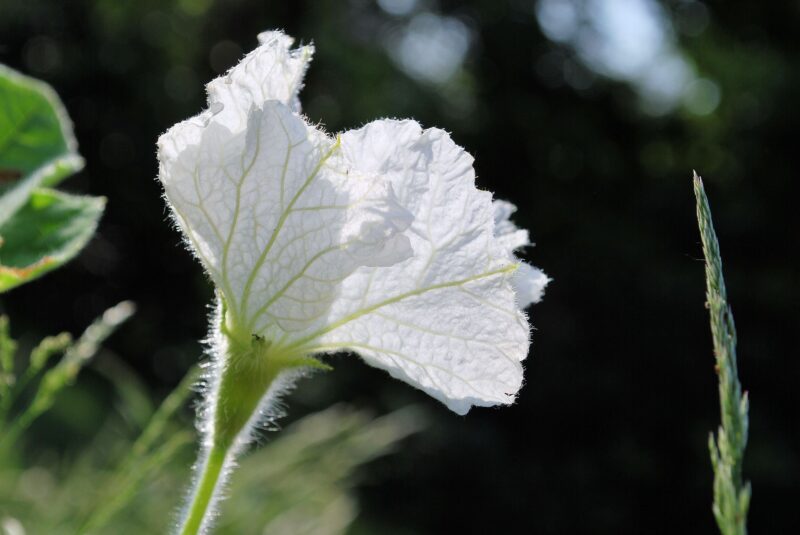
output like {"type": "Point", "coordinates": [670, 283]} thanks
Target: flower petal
{"type": "Point", "coordinates": [446, 320]}
{"type": "Point", "coordinates": [273, 71]}
{"type": "Point", "coordinates": [528, 282]}
{"type": "Point", "coordinates": [505, 230]}
{"type": "Point", "coordinates": [376, 242]}
{"type": "Point", "coordinates": [276, 218]}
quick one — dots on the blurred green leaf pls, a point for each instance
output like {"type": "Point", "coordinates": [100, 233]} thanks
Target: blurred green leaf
{"type": "Point", "coordinates": [14, 196]}
{"type": "Point", "coordinates": [45, 233]}
{"type": "Point", "coordinates": [35, 132]}
{"type": "Point", "coordinates": [39, 230]}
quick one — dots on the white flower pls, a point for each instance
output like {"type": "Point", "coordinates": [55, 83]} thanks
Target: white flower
{"type": "Point", "coordinates": [375, 241]}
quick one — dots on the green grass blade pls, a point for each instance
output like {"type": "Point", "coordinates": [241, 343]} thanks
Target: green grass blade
{"type": "Point", "coordinates": [40, 355]}
{"type": "Point", "coordinates": [65, 372]}
{"type": "Point", "coordinates": [731, 495]}
{"type": "Point", "coordinates": [125, 490]}
{"type": "Point", "coordinates": [8, 346]}
{"type": "Point", "coordinates": [143, 458]}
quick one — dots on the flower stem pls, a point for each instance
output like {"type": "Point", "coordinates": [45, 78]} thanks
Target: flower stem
{"type": "Point", "coordinates": [248, 375]}
{"type": "Point", "coordinates": [205, 490]}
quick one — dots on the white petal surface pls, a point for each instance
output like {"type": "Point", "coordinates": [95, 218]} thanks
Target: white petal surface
{"type": "Point", "coordinates": [445, 320]}
{"type": "Point", "coordinates": [275, 224]}
{"type": "Point", "coordinates": [507, 233]}
{"type": "Point", "coordinates": [528, 282]}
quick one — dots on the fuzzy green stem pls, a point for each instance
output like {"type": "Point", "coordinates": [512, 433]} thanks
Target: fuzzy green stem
{"type": "Point", "coordinates": [206, 488]}
{"type": "Point", "coordinates": [731, 494]}
{"type": "Point", "coordinates": [248, 370]}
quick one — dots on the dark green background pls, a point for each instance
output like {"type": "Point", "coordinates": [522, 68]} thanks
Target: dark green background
{"type": "Point", "coordinates": [610, 431]}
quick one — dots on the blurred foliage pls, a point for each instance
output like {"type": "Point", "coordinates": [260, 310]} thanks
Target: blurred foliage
{"type": "Point", "coordinates": [54, 379]}
{"type": "Point", "coordinates": [40, 229]}
{"type": "Point", "coordinates": [46, 232]}
{"type": "Point", "coordinates": [299, 483]}
{"type": "Point", "coordinates": [609, 434]}
{"type": "Point", "coordinates": [34, 128]}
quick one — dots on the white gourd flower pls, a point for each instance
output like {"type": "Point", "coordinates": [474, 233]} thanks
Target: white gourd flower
{"type": "Point", "coordinates": [375, 241]}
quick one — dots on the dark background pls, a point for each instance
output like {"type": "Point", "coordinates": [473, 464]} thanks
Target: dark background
{"type": "Point", "coordinates": [610, 432]}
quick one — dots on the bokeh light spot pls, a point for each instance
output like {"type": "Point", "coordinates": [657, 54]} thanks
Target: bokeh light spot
{"type": "Point", "coordinates": [431, 47]}
{"type": "Point", "coordinates": [42, 54]}
{"type": "Point", "coordinates": [702, 97]}
{"type": "Point", "coordinates": [224, 55]}
{"type": "Point", "coordinates": [181, 83]}
{"type": "Point", "coordinates": [398, 7]}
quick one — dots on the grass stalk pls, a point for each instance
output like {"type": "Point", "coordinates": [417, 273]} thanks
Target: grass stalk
{"type": "Point", "coordinates": [731, 493]}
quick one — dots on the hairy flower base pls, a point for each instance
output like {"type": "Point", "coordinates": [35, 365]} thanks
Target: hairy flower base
{"type": "Point", "coordinates": [249, 374]}
{"type": "Point", "coordinates": [248, 369]}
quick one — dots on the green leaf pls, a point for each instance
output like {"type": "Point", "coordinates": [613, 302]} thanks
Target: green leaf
{"type": "Point", "coordinates": [34, 126]}
{"type": "Point", "coordinates": [45, 233]}
{"type": "Point", "coordinates": [37, 146]}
